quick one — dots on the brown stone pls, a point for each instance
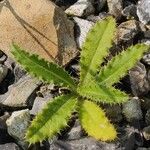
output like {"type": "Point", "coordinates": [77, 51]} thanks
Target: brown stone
{"type": "Point", "coordinates": [39, 27]}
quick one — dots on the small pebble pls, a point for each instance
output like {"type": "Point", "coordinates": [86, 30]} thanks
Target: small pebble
{"type": "Point", "coordinates": [130, 11]}
{"type": "Point", "coordinates": [3, 72]}
{"type": "Point", "coordinates": [143, 11]}
{"type": "Point", "coordinates": [82, 28]}
{"type": "Point", "coordinates": [138, 79]}
{"type": "Point", "coordinates": [147, 117]}
{"type": "Point", "coordinates": [115, 8]}
{"type": "Point", "coordinates": [132, 110]}
{"type": "Point", "coordinates": [126, 31]}
{"type": "Point", "coordinates": [17, 125]}
{"type": "Point", "coordinates": [146, 133]}
{"type": "Point", "coordinates": [80, 8]}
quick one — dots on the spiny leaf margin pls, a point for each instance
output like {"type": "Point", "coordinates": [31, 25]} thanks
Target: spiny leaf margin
{"type": "Point", "coordinates": [52, 118]}
{"type": "Point", "coordinates": [120, 64]}
{"type": "Point", "coordinates": [100, 93]}
{"type": "Point", "coordinates": [43, 70]}
{"type": "Point", "coordinates": [95, 123]}
{"type": "Point", "coordinates": [96, 47]}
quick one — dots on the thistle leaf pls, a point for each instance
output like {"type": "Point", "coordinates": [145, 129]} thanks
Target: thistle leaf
{"type": "Point", "coordinates": [42, 69]}
{"type": "Point", "coordinates": [52, 119]}
{"type": "Point", "coordinates": [120, 64]}
{"type": "Point", "coordinates": [104, 94]}
{"type": "Point", "coordinates": [95, 123]}
{"type": "Point", "coordinates": [95, 48]}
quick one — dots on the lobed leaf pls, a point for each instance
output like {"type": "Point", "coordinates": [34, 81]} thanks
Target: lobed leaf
{"type": "Point", "coordinates": [95, 48]}
{"type": "Point", "coordinates": [95, 123]}
{"type": "Point", "coordinates": [120, 64]}
{"type": "Point", "coordinates": [100, 93]}
{"type": "Point", "coordinates": [42, 69]}
{"type": "Point", "coordinates": [52, 119]}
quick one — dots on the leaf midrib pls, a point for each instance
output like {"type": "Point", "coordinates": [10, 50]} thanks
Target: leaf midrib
{"type": "Point", "coordinates": [52, 115]}
{"type": "Point", "coordinates": [87, 72]}
{"type": "Point", "coordinates": [47, 70]}
{"type": "Point", "coordinates": [117, 70]}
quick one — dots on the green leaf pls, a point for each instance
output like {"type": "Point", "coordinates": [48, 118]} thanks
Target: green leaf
{"type": "Point", "coordinates": [42, 69]}
{"type": "Point", "coordinates": [103, 94]}
{"type": "Point", "coordinates": [120, 64]}
{"type": "Point", "coordinates": [95, 48]}
{"type": "Point", "coordinates": [95, 123]}
{"type": "Point", "coordinates": [52, 119]}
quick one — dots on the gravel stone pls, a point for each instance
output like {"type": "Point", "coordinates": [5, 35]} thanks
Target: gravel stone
{"type": "Point", "coordinates": [81, 8]}
{"type": "Point", "coordinates": [21, 93]}
{"type": "Point", "coordinates": [100, 17]}
{"type": "Point", "coordinates": [115, 8]}
{"type": "Point", "coordinates": [9, 146]}
{"type": "Point", "coordinates": [17, 125]}
{"type": "Point", "coordinates": [75, 133]}
{"type": "Point", "coordinates": [147, 117]}
{"type": "Point", "coordinates": [139, 80]}
{"type": "Point", "coordinates": [132, 110]}
{"type": "Point", "coordinates": [143, 11]}
{"type": "Point", "coordinates": [113, 112]}
{"type": "Point", "coordinates": [99, 4]}
{"type": "Point", "coordinates": [3, 72]}
{"type": "Point", "coordinates": [130, 11]}
{"type": "Point", "coordinates": [38, 105]}
{"type": "Point", "coordinates": [146, 133]}
{"type": "Point", "coordinates": [83, 144]}
{"type": "Point", "coordinates": [3, 121]}
{"type": "Point", "coordinates": [83, 26]}
{"type": "Point", "coordinates": [3, 57]}
{"type": "Point", "coordinates": [126, 31]}
{"type": "Point", "coordinates": [18, 72]}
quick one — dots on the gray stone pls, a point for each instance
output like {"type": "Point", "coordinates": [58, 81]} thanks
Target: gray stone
{"type": "Point", "coordinates": [99, 4]}
{"type": "Point", "coordinates": [9, 146]}
{"type": "Point", "coordinates": [113, 112]}
{"type": "Point", "coordinates": [21, 93]}
{"type": "Point", "coordinates": [147, 117]}
{"type": "Point", "coordinates": [75, 132]}
{"type": "Point", "coordinates": [3, 72]}
{"type": "Point", "coordinates": [127, 30]}
{"type": "Point", "coordinates": [147, 34]}
{"type": "Point", "coordinates": [64, 2]}
{"type": "Point", "coordinates": [115, 8]}
{"type": "Point", "coordinates": [3, 57]}
{"type": "Point", "coordinates": [75, 68]}
{"type": "Point", "coordinates": [142, 148]}
{"type": "Point", "coordinates": [19, 72]}
{"type": "Point", "coordinates": [138, 79]}
{"type": "Point", "coordinates": [80, 8]}
{"type": "Point", "coordinates": [38, 105]}
{"type": "Point", "coordinates": [101, 16]}
{"type": "Point", "coordinates": [143, 11]}
{"type": "Point", "coordinates": [83, 27]}
{"type": "Point", "coordinates": [130, 11]}
{"type": "Point", "coordinates": [10, 63]}
{"type": "Point", "coordinates": [146, 133]}
{"type": "Point", "coordinates": [145, 103]}
{"type": "Point", "coordinates": [17, 125]}
{"type": "Point", "coordinates": [83, 144]}
{"type": "Point", "coordinates": [3, 121]}
{"type": "Point", "coordinates": [46, 91]}
{"type": "Point", "coordinates": [5, 137]}
{"type": "Point", "coordinates": [132, 110]}
{"type": "Point", "coordinates": [146, 57]}
{"type": "Point", "coordinates": [133, 138]}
